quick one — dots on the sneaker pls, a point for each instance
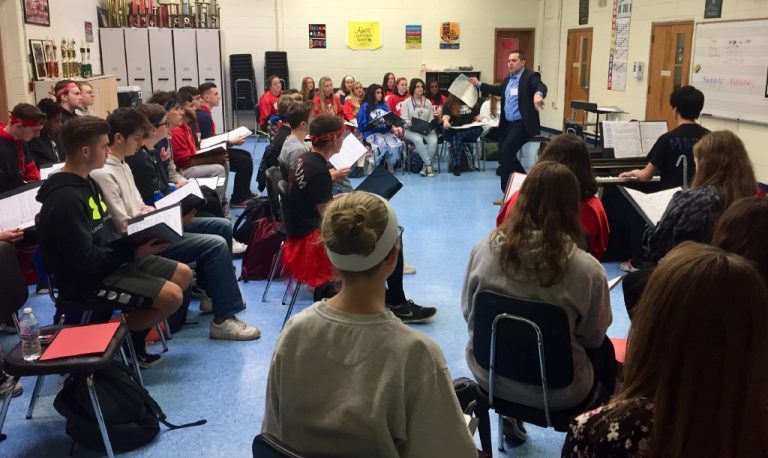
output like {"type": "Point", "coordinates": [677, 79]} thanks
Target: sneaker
{"type": "Point", "coordinates": [423, 171]}
{"type": "Point", "coordinates": [7, 386]}
{"type": "Point", "coordinates": [238, 248]}
{"type": "Point", "coordinates": [233, 329]}
{"type": "Point", "coordinates": [514, 432]}
{"type": "Point", "coordinates": [410, 312]}
{"type": "Point", "coordinates": [626, 266]}
{"type": "Point", "coordinates": [408, 269]}
{"type": "Point", "coordinates": [430, 172]}
{"type": "Point", "coordinates": [456, 170]}
{"type": "Point", "coordinates": [147, 360]}
{"type": "Point", "coordinates": [206, 305]}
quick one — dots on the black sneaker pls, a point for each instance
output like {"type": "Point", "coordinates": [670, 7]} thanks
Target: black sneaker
{"type": "Point", "coordinates": [410, 312]}
{"type": "Point", "coordinates": [514, 432]}
{"type": "Point", "coordinates": [148, 360]}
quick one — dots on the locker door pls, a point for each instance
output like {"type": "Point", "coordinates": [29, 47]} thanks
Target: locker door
{"type": "Point", "coordinates": [161, 57]}
{"type": "Point", "coordinates": [137, 56]}
{"type": "Point", "coordinates": [112, 46]}
{"type": "Point", "coordinates": [209, 65]}
{"type": "Point", "coordinates": [185, 56]}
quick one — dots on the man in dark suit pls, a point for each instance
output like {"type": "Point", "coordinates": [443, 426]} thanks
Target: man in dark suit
{"type": "Point", "coordinates": [522, 97]}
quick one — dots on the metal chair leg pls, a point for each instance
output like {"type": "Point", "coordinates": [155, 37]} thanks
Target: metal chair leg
{"type": "Point", "coordinates": [501, 433]}
{"type": "Point", "coordinates": [99, 416]}
{"type": "Point", "coordinates": [135, 359]}
{"type": "Point", "coordinates": [168, 335]}
{"type": "Point", "coordinates": [6, 403]}
{"type": "Point", "coordinates": [35, 394]}
{"type": "Point", "coordinates": [287, 289]}
{"type": "Point", "coordinates": [275, 262]}
{"type": "Point", "coordinates": [162, 337]}
{"type": "Point", "coordinates": [123, 358]}
{"type": "Point", "coordinates": [293, 302]}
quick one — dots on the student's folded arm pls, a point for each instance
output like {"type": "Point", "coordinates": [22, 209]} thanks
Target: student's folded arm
{"type": "Point", "coordinates": [590, 328]}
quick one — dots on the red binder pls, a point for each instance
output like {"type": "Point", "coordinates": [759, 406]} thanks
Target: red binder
{"type": "Point", "coordinates": [80, 340]}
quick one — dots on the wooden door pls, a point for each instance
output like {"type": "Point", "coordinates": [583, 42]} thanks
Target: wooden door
{"type": "Point", "coordinates": [669, 69]}
{"type": "Point", "coordinates": [506, 41]}
{"type": "Point", "coordinates": [578, 61]}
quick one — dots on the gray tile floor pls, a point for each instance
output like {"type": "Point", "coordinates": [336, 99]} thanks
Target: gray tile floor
{"type": "Point", "coordinates": [224, 382]}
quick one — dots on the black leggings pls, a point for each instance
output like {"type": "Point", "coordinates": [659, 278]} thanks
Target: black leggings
{"type": "Point", "coordinates": [395, 294]}
{"type": "Point", "coordinates": [241, 163]}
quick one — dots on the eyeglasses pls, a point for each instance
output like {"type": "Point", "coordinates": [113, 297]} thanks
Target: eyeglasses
{"type": "Point", "coordinates": [162, 124]}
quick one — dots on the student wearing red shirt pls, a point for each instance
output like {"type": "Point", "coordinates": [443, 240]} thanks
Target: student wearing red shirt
{"type": "Point", "coordinates": [436, 98]}
{"type": "Point", "coordinates": [268, 101]}
{"type": "Point", "coordinates": [325, 100]}
{"type": "Point", "coordinates": [388, 85]}
{"type": "Point", "coordinates": [571, 151]}
{"type": "Point", "coordinates": [399, 96]}
{"type": "Point", "coordinates": [25, 123]}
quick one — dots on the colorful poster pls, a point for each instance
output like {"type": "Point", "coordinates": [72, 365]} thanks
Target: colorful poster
{"type": "Point", "coordinates": [621, 18]}
{"type": "Point", "coordinates": [364, 35]}
{"type": "Point", "coordinates": [317, 37]}
{"type": "Point", "coordinates": [412, 37]}
{"type": "Point", "coordinates": [449, 35]}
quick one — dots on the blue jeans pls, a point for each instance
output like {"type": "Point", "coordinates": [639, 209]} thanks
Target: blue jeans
{"type": "Point", "coordinates": [386, 148]}
{"type": "Point", "coordinates": [214, 262]}
{"type": "Point", "coordinates": [212, 226]}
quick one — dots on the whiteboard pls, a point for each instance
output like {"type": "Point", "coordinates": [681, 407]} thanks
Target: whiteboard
{"type": "Point", "coordinates": [730, 66]}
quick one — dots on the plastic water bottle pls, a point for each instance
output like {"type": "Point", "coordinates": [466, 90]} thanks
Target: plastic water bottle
{"type": "Point", "coordinates": [29, 328]}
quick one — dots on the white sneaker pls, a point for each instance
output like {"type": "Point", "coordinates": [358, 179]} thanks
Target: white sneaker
{"type": "Point", "coordinates": [238, 248]}
{"type": "Point", "coordinates": [408, 269]}
{"type": "Point", "coordinates": [233, 329]}
{"type": "Point", "coordinates": [430, 172]}
{"type": "Point", "coordinates": [423, 171]}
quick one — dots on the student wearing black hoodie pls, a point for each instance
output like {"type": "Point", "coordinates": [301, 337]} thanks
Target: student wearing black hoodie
{"type": "Point", "coordinates": [75, 227]}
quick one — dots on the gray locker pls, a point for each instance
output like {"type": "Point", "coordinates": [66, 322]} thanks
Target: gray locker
{"type": "Point", "coordinates": [112, 44]}
{"type": "Point", "coordinates": [161, 57]}
{"type": "Point", "coordinates": [209, 66]}
{"type": "Point", "coordinates": [137, 58]}
{"type": "Point", "coordinates": [185, 56]}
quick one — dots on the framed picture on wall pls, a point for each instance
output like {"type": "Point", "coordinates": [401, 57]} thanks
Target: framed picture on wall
{"type": "Point", "coordinates": [38, 58]}
{"type": "Point", "coordinates": [37, 12]}
{"type": "Point", "coordinates": [103, 16]}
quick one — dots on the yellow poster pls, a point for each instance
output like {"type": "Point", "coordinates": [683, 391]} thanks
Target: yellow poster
{"type": "Point", "coordinates": [450, 33]}
{"type": "Point", "coordinates": [364, 35]}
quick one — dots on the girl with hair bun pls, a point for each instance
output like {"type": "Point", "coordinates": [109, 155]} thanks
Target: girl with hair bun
{"type": "Point", "coordinates": [378, 388]}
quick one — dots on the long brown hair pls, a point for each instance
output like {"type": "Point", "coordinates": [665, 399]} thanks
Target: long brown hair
{"type": "Point", "coordinates": [305, 91]}
{"type": "Point", "coordinates": [452, 105]}
{"type": "Point", "coordinates": [723, 162]}
{"type": "Point", "coordinates": [571, 151]}
{"type": "Point", "coordinates": [548, 202]}
{"type": "Point", "coordinates": [742, 230]}
{"type": "Point", "coordinates": [698, 350]}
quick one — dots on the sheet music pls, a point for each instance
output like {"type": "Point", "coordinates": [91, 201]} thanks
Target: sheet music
{"type": "Point", "coordinates": [467, 126]}
{"type": "Point", "coordinates": [464, 90]}
{"type": "Point", "coordinates": [623, 137]}
{"type": "Point", "coordinates": [650, 131]}
{"type": "Point", "coordinates": [614, 281]}
{"type": "Point", "coordinates": [351, 151]}
{"type": "Point", "coordinates": [654, 204]}
{"type": "Point", "coordinates": [514, 185]}
{"type": "Point", "coordinates": [211, 182]}
{"type": "Point", "coordinates": [241, 131]}
{"type": "Point", "coordinates": [171, 216]}
{"type": "Point", "coordinates": [352, 123]}
{"type": "Point", "coordinates": [222, 145]}
{"type": "Point", "coordinates": [45, 172]}
{"type": "Point", "coordinates": [19, 210]}
{"type": "Point", "coordinates": [192, 187]}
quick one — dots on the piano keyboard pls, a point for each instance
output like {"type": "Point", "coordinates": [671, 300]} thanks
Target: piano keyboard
{"type": "Point", "coordinates": [619, 180]}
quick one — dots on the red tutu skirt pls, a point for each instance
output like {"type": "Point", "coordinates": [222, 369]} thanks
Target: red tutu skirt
{"type": "Point", "coordinates": [307, 261]}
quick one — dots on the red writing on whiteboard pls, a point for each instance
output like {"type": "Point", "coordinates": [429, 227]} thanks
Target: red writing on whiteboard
{"type": "Point", "coordinates": [741, 82]}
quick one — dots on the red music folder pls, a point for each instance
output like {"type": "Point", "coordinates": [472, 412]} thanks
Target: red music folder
{"type": "Point", "coordinates": [80, 340]}
{"type": "Point", "coordinates": [620, 348]}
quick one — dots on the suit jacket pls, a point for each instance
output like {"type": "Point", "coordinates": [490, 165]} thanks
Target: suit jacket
{"type": "Point", "coordinates": [530, 83]}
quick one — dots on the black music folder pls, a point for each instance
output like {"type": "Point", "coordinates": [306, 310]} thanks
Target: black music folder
{"type": "Point", "coordinates": [164, 225]}
{"type": "Point", "coordinates": [380, 182]}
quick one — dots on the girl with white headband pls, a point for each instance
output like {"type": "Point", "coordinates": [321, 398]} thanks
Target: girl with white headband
{"type": "Point", "coordinates": [348, 378]}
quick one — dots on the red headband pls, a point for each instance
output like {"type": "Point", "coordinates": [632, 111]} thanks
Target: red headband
{"type": "Point", "coordinates": [24, 122]}
{"type": "Point", "coordinates": [328, 136]}
{"type": "Point", "coordinates": [66, 88]}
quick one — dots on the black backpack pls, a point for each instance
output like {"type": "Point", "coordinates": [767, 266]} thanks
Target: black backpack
{"type": "Point", "coordinates": [243, 229]}
{"type": "Point", "coordinates": [131, 415]}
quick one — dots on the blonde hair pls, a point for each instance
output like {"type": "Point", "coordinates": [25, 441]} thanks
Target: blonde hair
{"type": "Point", "coordinates": [354, 223]}
{"type": "Point", "coordinates": [723, 162]}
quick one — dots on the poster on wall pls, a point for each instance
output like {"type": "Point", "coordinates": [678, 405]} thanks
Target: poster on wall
{"type": "Point", "coordinates": [412, 37]}
{"type": "Point", "coordinates": [713, 9]}
{"type": "Point", "coordinates": [364, 35]}
{"type": "Point", "coordinates": [37, 12]}
{"type": "Point", "coordinates": [619, 52]}
{"type": "Point", "coordinates": [88, 32]}
{"type": "Point", "coordinates": [450, 32]}
{"type": "Point", "coordinates": [317, 37]}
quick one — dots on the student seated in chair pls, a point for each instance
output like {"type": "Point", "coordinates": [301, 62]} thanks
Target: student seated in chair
{"type": "Point", "coordinates": [309, 192]}
{"type": "Point", "coordinates": [67, 94]}
{"type": "Point", "coordinates": [206, 241]}
{"type": "Point", "coordinates": [538, 253]}
{"type": "Point", "coordinates": [75, 226]}
{"type": "Point", "coordinates": [45, 149]}
{"type": "Point", "coordinates": [240, 161]}
{"type": "Point", "coordinates": [16, 167]}
{"type": "Point", "coordinates": [695, 382]}
{"type": "Point", "coordinates": [347, 377]}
